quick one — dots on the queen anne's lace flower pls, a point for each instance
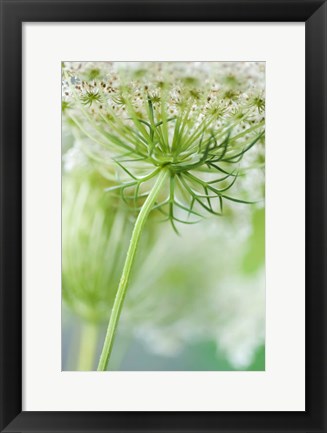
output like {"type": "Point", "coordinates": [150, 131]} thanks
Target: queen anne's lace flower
{"type": "Point", "coordinates": [179, 138]}
{"type": "Point", "coordinates": [198, 124]}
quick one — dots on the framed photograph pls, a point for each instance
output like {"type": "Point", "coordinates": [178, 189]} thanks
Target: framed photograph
{"type": "Point", "coordinates": [163, 216]}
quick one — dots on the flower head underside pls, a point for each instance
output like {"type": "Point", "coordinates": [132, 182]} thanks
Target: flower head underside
{"type": "Point", "coordinates": [198, 127]}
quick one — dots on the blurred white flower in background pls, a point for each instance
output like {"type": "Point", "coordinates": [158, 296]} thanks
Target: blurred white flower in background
{"type": "Point", "coordinates": [196, 290]}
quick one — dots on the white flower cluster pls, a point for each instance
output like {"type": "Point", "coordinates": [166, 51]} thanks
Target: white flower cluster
{"type": "Point", "coordinates": [230, 90]}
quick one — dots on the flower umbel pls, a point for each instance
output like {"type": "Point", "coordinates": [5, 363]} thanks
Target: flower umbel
{"type": "Point", "coordinates": [195, 132]}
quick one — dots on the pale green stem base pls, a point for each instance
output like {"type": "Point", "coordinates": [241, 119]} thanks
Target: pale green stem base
{"type": "Point", "coordinates": [88, 346]}
{"type": "Point", "coordinates": [121, 292]}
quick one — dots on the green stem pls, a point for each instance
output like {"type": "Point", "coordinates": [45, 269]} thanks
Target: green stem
{"type": "Point", "coordinates": [88, 345]}
{"type": "Point", "coordinates": [121, 292]}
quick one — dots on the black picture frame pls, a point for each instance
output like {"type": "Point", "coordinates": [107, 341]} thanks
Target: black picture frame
{"type": "Point", "coordinates": [16, 12]}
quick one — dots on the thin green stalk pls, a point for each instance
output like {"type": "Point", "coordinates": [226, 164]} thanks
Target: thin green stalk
{"type": "Point", "coordinates": [121, 292]}
{"type": "Point", "coordinates": [88, 345]}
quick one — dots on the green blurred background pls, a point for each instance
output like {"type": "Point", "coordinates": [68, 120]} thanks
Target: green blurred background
{"type": "Point", "coordinates": [195, 301]}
